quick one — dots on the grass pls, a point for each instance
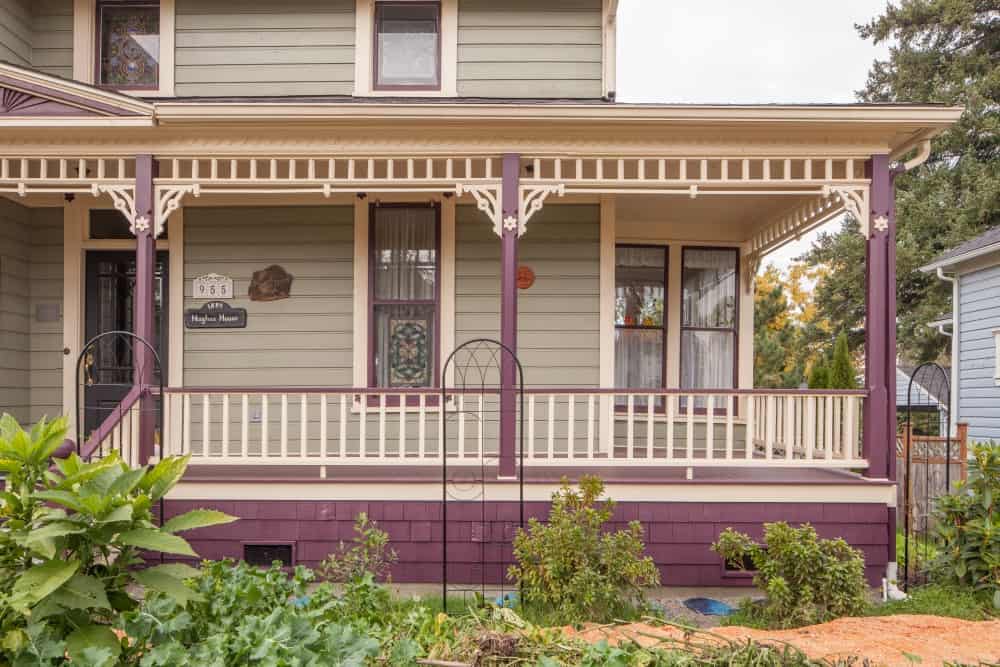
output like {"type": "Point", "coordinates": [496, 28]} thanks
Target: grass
{"type": "Point", "coordinates": [939, 600]}
{"type": "Point", "coordinates": [923, 550]}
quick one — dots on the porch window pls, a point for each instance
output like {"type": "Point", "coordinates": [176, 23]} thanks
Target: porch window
{"type": "Point", "coordinates": [405, 295]}
{"type": "Point", "coordinates": [709, 318]}
{"type": "Point", "coordinates": [640, 333]}
{"type": "Point", "coordinates": [129, 44]}
{"type": "Point", "coordinates": [407, 45]}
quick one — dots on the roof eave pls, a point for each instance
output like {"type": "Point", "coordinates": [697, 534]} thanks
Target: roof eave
{"type": "Point", "coordinates": [961, 259]}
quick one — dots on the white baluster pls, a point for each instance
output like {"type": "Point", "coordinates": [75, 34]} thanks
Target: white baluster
{"type": "Point", "coordinates": [630, 427]}
{"type": "Point", "coordinates": [343, 426]}
{"type": "Point", "coordinates": [551, 450]}
{"type": "Point", "coordinates": [206, 423]}
{"type": "Point", "coordinates": [751, 427]}
{"type": "Point", "coordinates": [244, 425]}
{"type": "Point", "coordinates": [381, 418]}
{"type": "Point", "coordinates": [363, 426]}
{"type": "Point", "coordinates": [811, 427]}
{"type": "Point", "coordinates": [186, 439]}
{"type": "Point", "coordinates": [225, 425]}
{"type": "Point", "coordinates": [304, 425]}
{"type": "Point", "coordinates": [670, 426]}
{"type": "Point", "coordinates": [710, 426]}
{"type": "Point", "coordinates": [284, 426]}
{"type": "Point", "coordinates": [590, 426]}
{"type": "Point", "coordinates": [323, 443]}
{"type": "Point", "coordinates": [422, 415]}
{"type": "Point", "coordinates": [264, 426]}
{"type": "Point", "coordinates": [789, 426]}
{"type": "Point", "coordinates": [690, 427]}
{"type": "Point", "coordinates": [770, 425]}
{"type": "Point", "coordinates": [828, 436]}
{"type": "Point", "coordinates": [650, 424]}
{"type": "Point", "coordinates": [570, 425]}
{"type": "Point", "coordinates": [461, 425]}
{"type": "Point", "coordinates": [532, 454]}
{"type": "Point", "coordinates": [730, 402]}
{"type": "Point", "coordinates": [402, 422]}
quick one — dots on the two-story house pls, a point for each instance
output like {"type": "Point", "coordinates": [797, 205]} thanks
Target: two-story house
{"type": "Point", "coordinates": [306, 206]}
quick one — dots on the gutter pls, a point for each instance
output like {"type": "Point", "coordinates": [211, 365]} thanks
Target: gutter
{"type": "Point", "coordinates": [953, 390]}
{"type": "Point", "coordinates": [958, 259]}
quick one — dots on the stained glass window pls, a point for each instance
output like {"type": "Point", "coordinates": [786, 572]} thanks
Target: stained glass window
{"type": "Point", "coordinates": [130, 44]}
{"type": "Point", "coordinates": [407, 44]}
{"type": "Point", "coordinates": [404, 275]}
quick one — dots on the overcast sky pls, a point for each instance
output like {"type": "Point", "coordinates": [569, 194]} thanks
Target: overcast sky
{"type": "Point", "coordinates": [749, 51]}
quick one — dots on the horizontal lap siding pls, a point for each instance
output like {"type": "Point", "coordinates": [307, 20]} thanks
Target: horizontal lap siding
{"type": "Point", "coordinates": [14, 307]}
{"type": "Point", "coordinates": [529, 48]}
{"type": "Point", "coordinates": [303, 340]}
{"type": "Point", "coordinates": [477, 277]}
{"type": "Point", "coordinates": [300, 47]}
{"type": "Point", "coordinates": [979, 317]}
{"type": "Point", "coordinates": [46, 342]}
{"type": "Point", "coordinates": [52, 24]}
{"type": "Point", "coordinates": [15, 32]}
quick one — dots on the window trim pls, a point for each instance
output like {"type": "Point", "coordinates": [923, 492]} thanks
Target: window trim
{"type": "Point", "coordinates": [379, 5]}
{"type": "Point", "coordinates": [666, 310]}
{"type": "Point", "coordinates": [736, 321]}
{"type": "Point", "coordinates": [370, 314]}
{"type": "Point", "coordinates": [364, 52]}
{"type": "Point", "coordinates": [996, 360]}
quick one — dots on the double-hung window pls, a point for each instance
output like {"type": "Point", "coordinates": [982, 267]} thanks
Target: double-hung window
{"type": "Point", "coordinates": [128, 44]}
{"type": "Point", "coordinates": [709, 319]}
{"type": "Point", "coordinates": [640, 333]}
{"type": "Point", "coordinates": [407, 49]}
{"type": "Point", "coordinates": [405, 295]}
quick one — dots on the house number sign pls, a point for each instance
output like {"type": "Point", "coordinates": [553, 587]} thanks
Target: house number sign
{"type": "Point", "coordinates": [213, 286]}
{"type": "Point", "coordinates": [215, 315]}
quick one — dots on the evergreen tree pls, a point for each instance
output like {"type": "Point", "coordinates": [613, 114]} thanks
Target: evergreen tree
{"type": "Point", "coordinates": [945, 51]}
{"type": "Point", "coordinates": [819, 376]}
{"type": "Point", "coordinates": [842, 375]}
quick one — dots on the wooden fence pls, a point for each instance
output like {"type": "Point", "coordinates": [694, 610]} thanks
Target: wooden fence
{"type": "Point", "coordinates": [930, 467]}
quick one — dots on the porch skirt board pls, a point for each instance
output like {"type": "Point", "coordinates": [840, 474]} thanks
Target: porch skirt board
{"type": "Point", "coordinates": [678, 535]}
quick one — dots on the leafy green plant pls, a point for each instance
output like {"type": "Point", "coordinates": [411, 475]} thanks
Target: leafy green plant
{"type": "Point", "coordinates": [938, 600]}
{"type": "Point", "coordinates": [967, 527]}
{"type": "Point", "coordinates": [368, 553]}
{"type": "Point", "coordinates": [71, 543]}
{"type": "Point", "coordinates": [576, 569]}
{"type": "Point", "coordinates": [807, 579]}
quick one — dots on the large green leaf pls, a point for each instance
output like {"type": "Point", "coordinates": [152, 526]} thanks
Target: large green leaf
{"type": "Point", "coordinates": [92, 636]}
{"type": "Point", "coordinates": [40, 581]}
{"type": "Point", "coordinates": [82, 592]}
{"type": "Point", "coordinates": [197, 519]}
{"type": "Point", "coordinates": [164, 475]}
{"type": "Point", "coordinates": [126, 482]}
{"type": "Point", "coordinates": [119, 514]}
{"type": "Point", "coordinates": [42, 540]}
{"type": "Point", "coordinates": [47, 437]}
{"type": "Point", "coordinates": [154, 539]}
{"type": "Point", "coordinates": [67, 499]}
{"type": "Point", "coordinates": [169, 579]}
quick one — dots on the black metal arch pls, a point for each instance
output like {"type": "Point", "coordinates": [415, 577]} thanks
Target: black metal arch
{"type": "Point", "coordinates": [476, 364]}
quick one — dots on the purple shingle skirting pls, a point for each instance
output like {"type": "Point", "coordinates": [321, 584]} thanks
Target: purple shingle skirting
{"type": "Point", "coordinates": [678, 535]}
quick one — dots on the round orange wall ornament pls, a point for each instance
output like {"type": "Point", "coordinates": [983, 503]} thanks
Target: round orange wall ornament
{"type": "Point", "coordinates": [525, 277]}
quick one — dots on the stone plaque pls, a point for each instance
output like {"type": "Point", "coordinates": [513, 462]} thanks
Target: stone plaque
{"type": "Point", "coordinates": [213, 286]}
{"type": "Point", "coordinates": [215, 315]}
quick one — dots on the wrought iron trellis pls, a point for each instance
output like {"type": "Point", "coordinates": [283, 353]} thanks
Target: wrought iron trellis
{"type": "Point", "coordinates": [926, 440]}
{"type": "Point", "coordinates": [478, 395]}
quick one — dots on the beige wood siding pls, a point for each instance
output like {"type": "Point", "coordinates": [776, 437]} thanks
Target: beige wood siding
{"type": "Point", "coordinates": [38, 34]}
{"type": "Point", "coordinates": [14, 304]}
{"type": "Point", "coordinates": [298, 47]}
{"type": "Point", "coordinates": [46, 342]}
{"type": "Point", "coordinates": [558, 317]}
{"type": "Point", "coordinates": [52, 45]}
{"type": "Point", "coordinates": [529, 48]}
{"type": "Point", "coordinates": [303, 340]}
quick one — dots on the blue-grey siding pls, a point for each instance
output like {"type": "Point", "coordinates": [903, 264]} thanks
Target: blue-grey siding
{"type": "Point", "coordinates": [978, 319]}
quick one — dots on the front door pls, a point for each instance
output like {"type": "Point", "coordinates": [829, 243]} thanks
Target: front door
{"type": "Point", "coordinates": [110, 288]}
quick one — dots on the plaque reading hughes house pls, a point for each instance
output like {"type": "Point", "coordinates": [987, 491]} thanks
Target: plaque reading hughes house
{"type": "Point", "coordinates": [215, 315]}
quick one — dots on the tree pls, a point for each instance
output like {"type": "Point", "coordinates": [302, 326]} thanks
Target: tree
{"type": "Point", "coordinates": [776, 335]}
{"type": "Point", "coordinates": [842, 375]}
{"type": "Point", "coordinates": [945, 51]}
{"type": "Point", "coordinates": [819, 376]}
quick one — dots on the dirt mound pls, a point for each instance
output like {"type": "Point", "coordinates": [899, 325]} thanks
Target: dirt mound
{"type": "Point", "coordinates": [885, 640]}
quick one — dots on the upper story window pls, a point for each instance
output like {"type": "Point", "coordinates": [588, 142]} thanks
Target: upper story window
{"type": "Point", "coordinates": [407, 49]}
{"type": "Point", "coordinates": [129, 44]}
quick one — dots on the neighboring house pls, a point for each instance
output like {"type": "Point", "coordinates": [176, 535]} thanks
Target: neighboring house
{"type": "Point", "coordinates": [922, 395]}
{"type": "Point", "coordinates": [306, 207]}
{"type": "Point", "coordinates": [973, 269]}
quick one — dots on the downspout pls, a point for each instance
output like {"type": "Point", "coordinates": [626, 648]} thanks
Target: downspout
{"type": "Point", "coordinates": [953, 392]}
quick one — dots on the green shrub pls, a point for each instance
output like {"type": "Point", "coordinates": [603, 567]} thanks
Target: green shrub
{"type": "Point", "coordinates": [967, 527]}
{"type": "Point", "coordinates": [806, 579]}
{"type": "Point", "coordinates": [70, 545]}
{"type": "Point", "coordinates": [368, 553]}
{"type": "Point", "coordinates": [572, 567]}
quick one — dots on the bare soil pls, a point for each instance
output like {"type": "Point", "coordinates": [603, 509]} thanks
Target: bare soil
{"type": "Point", "coordinates": [883, 640]}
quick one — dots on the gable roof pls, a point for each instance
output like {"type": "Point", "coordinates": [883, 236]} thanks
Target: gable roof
{"type": "Point", "coordinates": [984, 244]}
{"type": "Point", "coordinates": [28, 96]}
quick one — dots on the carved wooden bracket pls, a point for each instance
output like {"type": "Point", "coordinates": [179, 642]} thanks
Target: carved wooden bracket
{"type": "Point", "coordinates": [123, 197]}
{"type": "Point", "coordinates": [487, 200]}
{"type": "Point", "coordinates": [532, 199]}
{"type": "Point", "coordinates": [855, 201]}
{"type": "Point", "coordinates": [168, 200]}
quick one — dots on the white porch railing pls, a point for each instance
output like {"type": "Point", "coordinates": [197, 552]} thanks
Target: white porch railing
{"type": "Point", "coordinates": [562, 427]}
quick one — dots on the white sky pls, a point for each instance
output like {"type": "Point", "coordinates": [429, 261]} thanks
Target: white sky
{"type": "Point", "coordinates": [745, 51]}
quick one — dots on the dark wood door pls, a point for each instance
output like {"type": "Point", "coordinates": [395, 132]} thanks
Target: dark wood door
{"type": "Point", "coordinates": [110, 290]}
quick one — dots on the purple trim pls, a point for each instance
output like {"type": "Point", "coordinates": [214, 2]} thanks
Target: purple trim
{"type": "Point", "coordinates": [372, 301]}
{"type": "Point", "coordinates": [57, 102]}
{"type": "Point", "coordinates": [379, 6]}
{"type": "Point", "coordinates": [112, 421]}
{"type": "Point", "coordinates": [880, 318]}
{"type": "Point", "coordinates": [508, 315]}
{"type": "Point", "coordinates": [528, 391]}
{"type": "Point", "coordinates": [145, 276]}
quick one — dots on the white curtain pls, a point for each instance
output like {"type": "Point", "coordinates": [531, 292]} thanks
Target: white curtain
{"type": "Point", "coordinates": [707, 360]}
{"type": "Point", "coordinates": [709, 288]}
{"type": "Point", "coordinates": [638, 359]}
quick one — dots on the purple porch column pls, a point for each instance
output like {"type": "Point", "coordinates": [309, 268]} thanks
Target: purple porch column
{"type": "Point", "coordinates": [880, 324]}
{"type": "Point", "coordinates": [508, 315]}
{"type": "Point", "coordinates": [145, 269]}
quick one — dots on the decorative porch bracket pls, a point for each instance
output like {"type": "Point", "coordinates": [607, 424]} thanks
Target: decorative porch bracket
{"type": "Point", "coordinates": [123, 198]}
{"type": "Point", "coordinates": [532, 199]}
{"type": "Point", "coordinates": [487, 198]}
{"type": "Point", "coordinates": [168, 200]}
{"type": "Point", "coordinates": [855, 201]}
